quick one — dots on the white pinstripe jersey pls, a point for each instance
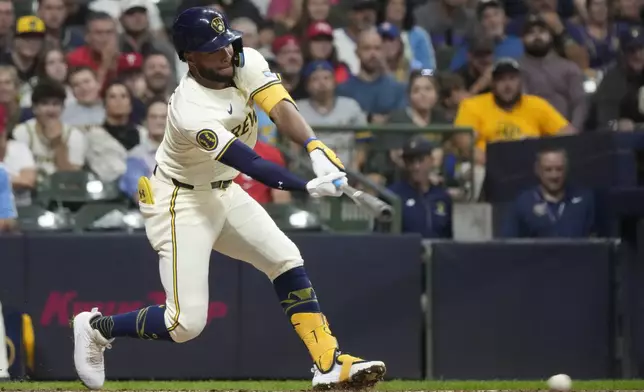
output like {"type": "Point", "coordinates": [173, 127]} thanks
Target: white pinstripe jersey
{"type": "Point", "coordinates": [202, 123]}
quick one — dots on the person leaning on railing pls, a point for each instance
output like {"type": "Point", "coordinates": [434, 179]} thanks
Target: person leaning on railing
{"type": "Point", "coordinates": [506, 113]}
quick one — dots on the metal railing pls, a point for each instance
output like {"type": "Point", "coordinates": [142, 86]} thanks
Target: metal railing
{"type": "Point", "coordinates": [342, 214]}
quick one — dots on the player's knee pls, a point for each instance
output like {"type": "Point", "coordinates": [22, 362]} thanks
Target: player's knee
{"type": "Point", "coordinates": [191, 324]}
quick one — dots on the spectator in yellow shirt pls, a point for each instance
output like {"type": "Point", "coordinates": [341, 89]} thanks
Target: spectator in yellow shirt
{"type": "Point", "coordinates": [506, 113]}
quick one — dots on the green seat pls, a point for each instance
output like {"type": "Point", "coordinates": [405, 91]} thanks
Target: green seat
{"type": "Point", "coordinates": [37, 218]}
{"type": "Point", "coordinates": [77, 187]}
{"type": "Point", "coordinates": [291, 218]}
{"type": "Point", "coordinates": [101, 217]}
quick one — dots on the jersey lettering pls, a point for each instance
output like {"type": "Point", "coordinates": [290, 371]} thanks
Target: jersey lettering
{"type": "Point", "coordinates": [246, 126]}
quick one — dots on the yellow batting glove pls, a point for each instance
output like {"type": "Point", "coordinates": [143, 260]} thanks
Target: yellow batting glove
{"type": "Point", "coordinates": [324, 160]}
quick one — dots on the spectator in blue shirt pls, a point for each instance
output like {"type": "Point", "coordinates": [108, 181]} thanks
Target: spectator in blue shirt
{"type": "Point", "coordinates": [415, 39]}
{"type": "Point", "coordinates": [377, 92]}
{"type": "Point", "coordinates": [552, 208]}
{"type": "Point", "coordinates": [8, 213]}
{"type": "Point", "coordinates": [427, 208]}
{"type": "Point", "coordinates": [492, 24]}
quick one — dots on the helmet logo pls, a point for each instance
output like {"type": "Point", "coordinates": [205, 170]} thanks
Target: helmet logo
{"type": "Point", "coordinates": [217, 24]}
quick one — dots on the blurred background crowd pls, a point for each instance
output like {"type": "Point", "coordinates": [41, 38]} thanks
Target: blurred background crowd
{"type": "Point", "coordinates": [84, 86]}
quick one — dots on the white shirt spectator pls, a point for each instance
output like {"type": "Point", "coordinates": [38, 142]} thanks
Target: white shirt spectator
{"type": "Point", "coordinates": [42, 152]}
{"type": "Point", "coordinates": [78, 115]}
{"type": "Point", "coordinates": [346, 49]}
{"type": "Point", "coordinates": [18, 157]}
{"type": "Point", "coordinates": [114, 8]}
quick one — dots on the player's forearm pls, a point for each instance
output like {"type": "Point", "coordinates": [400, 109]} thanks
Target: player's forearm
{"type": "Point", "coordinates": [290, 122]}
{"type": "Point", "coordinates": [244, 159]}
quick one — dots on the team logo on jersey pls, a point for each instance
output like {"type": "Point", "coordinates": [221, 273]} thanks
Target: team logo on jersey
{"type": "Point", "coordinates": [217, 24]}
{"type": "Point", "coordinates": [207, 139]}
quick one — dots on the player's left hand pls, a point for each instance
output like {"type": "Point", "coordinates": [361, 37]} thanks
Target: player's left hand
{"type": "Point", "coordinates": [325, 185]}
{"type": "Point", "coordinates": [324, 160]}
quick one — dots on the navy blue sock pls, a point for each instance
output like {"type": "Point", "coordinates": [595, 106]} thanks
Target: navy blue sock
{"type": "Point", "coordinates": [147, 323]}
{"type": "Point", "coordinates": [296, 293]}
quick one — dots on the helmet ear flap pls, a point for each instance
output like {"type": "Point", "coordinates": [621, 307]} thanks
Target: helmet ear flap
{"type": "Point", "coordinates": [238, 49]}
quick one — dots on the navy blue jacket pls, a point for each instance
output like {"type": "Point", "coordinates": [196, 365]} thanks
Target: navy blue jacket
{"type": "Point", "coordinates": [533, 217]}
{"type": "Point", "coordinates": [429, 213]}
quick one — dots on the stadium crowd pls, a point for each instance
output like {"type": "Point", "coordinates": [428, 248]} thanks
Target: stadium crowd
{"type": "Point", "coordinates": [84, 86]}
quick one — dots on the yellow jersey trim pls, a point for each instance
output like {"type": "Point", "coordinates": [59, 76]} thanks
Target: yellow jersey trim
{"type": "Point", "coordinates": [175, 283]}
{"type": "Point", "coordinates": [270, 95]}
{"type": "Point", "coordinates": [223, 150]}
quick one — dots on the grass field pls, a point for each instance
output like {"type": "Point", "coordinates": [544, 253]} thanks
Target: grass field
{"type": "Point", "coordinates": [600, 385]}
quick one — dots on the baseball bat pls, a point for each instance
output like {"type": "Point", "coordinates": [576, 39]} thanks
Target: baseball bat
{"type": "Point", "coordinates": [374, 206]}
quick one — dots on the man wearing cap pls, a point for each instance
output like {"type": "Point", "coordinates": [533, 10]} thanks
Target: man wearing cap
{"type": "Point", "coordinates": [549, 76]}
{"type": "Point", "coordinates": [324, 107]}
{"type": "Point", "coordinates": [506, 113]}
{"type": "Point", "coordinates": [27, 44]}
{"type": "Point", "coordinates": [477, 71]}
{"type": "Point", "coordinates": [620, 84]}
{"type": "Point", "coordinates": [114, 10]}
{"type": "Point", "coordinates": [53, 13]}
{"type": "Point", "coordinates": [289, 59]}
{"type": "Point", "coordinates": [492, 22]}
{"type": "Point", "coordinates": [101, 51]}
{"type": "Point", "coordinates": [361, 17]}
{"type": "Point", "coordinates": [427, 208]}
{"type": "Point", "coordinates": [320, 40]}
{"type": "Point", "coordinates": [567, 37]}
{"type": "Point", "coordinates": [399, 65]}
{"type": "Point", "coordinates": [137, 36]}
{"type": "Point", "coordinates": [378, 93]}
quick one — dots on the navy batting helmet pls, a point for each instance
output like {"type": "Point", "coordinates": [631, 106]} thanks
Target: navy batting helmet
{"type": "Point", "coordinates": [203, 29]}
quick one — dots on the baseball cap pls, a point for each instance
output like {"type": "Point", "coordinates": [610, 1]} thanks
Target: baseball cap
{"type": "Point", "coordinates": [30, 25]}
{"type": "Point", "coordinates": [417, 146]}
{"type": "Point", "coordinates": [632, 38]}
{"type": "Point", "coordinates": [316, 66]}
{"type": "Point", "coordinates": [481, 45]}
{"type": "Point", "coordinates": [130, 62]}
{"type": "Point", "coordinates": [319, 29]}
{"type": "Point", "coordinates": [505, 65]}
{"type": "Point", "coordinates": [359, 5]}
{"type": "Point", "coordinates": [482, 5]}
{"type": "Point", "coordinates": [285, 40]}
{"type": "Point", "coordinates": [388, 30]}
{"type": "Point", "coordinates": [534, 20]}
{"type": "Point", "coordinates": [127, 5]}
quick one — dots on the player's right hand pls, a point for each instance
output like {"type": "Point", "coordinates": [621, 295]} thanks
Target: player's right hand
{"type": "Point", "coordinates": [324, 185]}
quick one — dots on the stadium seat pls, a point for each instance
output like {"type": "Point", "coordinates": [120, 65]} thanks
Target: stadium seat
{"type": "Point", "coordinates": [291, 218]}
{"type": "Point", "coordinates": [77, 187]}
{"type": "Point", "coordinates": [37, 218]}
{"type": "Point", "coordinates": [101, 217]}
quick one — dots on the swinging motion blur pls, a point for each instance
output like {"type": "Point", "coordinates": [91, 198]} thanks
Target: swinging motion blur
{"type": "Point", "coordinates": [191, 206]}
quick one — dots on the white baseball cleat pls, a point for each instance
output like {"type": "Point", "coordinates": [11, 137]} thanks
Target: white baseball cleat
{"type": "Point", "coordinates": [349, 372]}
{"type": "Point", "coordinates": [89, 346]}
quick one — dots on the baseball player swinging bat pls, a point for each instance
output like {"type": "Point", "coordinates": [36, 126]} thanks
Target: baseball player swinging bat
{"type": "Point", "coordinates": [191, 206]}
{"type": "Point", "coordinates": [374, 206]}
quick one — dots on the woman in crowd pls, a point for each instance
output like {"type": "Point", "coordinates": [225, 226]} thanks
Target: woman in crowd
{"type": "Point", "coordinates": [141, 161]}
{"type": "Point", "coordinates": [601, 35]}
{"type": "Point", "coordinates": [318, 45]}
{"type": "Point", "coordinates": [422, 111]}
{"type": "Point", "coordinates": [10, 97]}
{"type": "Point", "coordinates": [399, 65]}
{"type": "Point", "coordinates": [53, 66]}
{"type": "Point", "coordinates": [313, 11]}
{"type": "Point", "coordinates": [418, 46]}
{"type": "Point", "coordinates": [110, 142]}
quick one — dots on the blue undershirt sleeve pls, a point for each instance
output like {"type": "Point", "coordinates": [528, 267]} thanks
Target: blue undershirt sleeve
{"type": "Point", "coordinates": [243, 158]}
